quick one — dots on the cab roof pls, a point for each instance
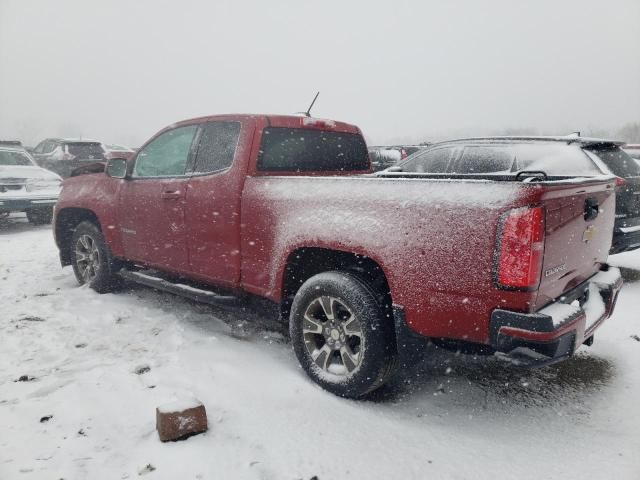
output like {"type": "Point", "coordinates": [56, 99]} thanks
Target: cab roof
{"type": "Point", "coordinates": [285, 121]}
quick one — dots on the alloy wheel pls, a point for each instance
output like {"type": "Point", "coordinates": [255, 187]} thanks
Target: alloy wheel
{"type": "Point", "coordinates": [333, 336]}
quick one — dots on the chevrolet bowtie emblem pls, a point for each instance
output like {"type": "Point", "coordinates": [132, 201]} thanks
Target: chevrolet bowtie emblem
{"type": "Point", "coordinates": [589, 233]}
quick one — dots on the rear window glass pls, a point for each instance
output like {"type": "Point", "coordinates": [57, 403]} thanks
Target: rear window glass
{"type": "Point", "coordinates": [217, 146]}
{"type": "Point", "coordinates": [84, 149]}
{"type": "Point", "coordinates": [633, 152]}
{"type": "Point", "coordinates": [554, 159]}
{"type": "Point", "coordinates": [303, 150]}
{"type": "Point", "coordinates": [618, 161]}
{"type": "Point", "coordinates": [14, 158]}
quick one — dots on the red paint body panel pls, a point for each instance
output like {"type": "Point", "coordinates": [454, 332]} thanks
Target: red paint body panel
{"type": "Point", "coordinates": [436, 240]}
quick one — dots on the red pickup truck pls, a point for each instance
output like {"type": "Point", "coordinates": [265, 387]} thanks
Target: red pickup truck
{"type": "Point", "coordinates": [286, 208]}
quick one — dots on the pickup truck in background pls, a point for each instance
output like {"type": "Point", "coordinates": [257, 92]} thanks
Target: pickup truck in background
{"type": "Point", "coordinates": [286, 208]}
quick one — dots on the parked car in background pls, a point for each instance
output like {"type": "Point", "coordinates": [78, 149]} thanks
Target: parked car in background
{"type": "Point", "coordinates": [633, 150]}
{"type": "Point", "coordinates": [65, 155]}
{"type": "Point", "coordinates": [118, 151]}
{"type": "Point", "coordinates": [286, 208]}
{"type": "Point", "coordinates": [26, 187]}
{"type": "Point", "coordinates": [11, 143]}
{"type": "Point", "coordinates": [570, 155]}
{"type": "Point", "coordinates": [386, 156]}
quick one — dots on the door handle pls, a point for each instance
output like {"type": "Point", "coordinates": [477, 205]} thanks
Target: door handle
{"type": "Point", "coordinates": [172, 195]}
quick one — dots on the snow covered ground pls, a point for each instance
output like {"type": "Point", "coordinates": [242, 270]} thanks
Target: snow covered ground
{"type": "Point", "coordinates": [448, 417]}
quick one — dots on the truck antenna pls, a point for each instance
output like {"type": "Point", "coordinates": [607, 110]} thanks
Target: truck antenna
{"type": "Point", "coordinates": [308, 112]}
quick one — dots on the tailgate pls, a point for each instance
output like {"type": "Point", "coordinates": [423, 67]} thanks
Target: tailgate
{"type": "Point", "coordinates": [579, 228]}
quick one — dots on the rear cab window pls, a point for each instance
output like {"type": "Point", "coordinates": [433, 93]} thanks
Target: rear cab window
{"type": "Point", "coordinates": [305, 150]}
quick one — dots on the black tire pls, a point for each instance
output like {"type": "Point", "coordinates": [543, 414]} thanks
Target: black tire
{"type": "Point", "coordinates": [347, 297]}
{"type": "Point", "coordinates": [40, 216]}
{"type": "Point", "coordinates": [102, 276]}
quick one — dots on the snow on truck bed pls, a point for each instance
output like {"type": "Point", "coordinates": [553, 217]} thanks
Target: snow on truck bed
{"type": "Point", "coordinates": [446, 417]}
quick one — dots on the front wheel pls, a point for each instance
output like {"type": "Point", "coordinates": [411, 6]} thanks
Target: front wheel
{"type": "Point", "coordinates": [92, 261]}
{"type": "Point", "coordinates": [341, 335]}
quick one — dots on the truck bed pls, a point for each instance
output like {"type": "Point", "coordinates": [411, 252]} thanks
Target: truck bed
{"type": "Point", "coordinates": [438, 234]}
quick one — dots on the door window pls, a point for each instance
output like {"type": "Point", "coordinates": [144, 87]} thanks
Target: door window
{"type": "Point", "coordinates": [39, 148]}
{"type": "Point", "coordinates": [432, 161]}
{"type": "Point", "coordinates": [166, 155]}
{"type": "Point", "coordinates": [49, 146]}
{"type": "Point", "coordinates": [217, 147]}
{"type": "Point", "coordinates": [481, 159]}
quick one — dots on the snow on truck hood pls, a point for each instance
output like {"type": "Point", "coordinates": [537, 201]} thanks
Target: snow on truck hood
{"type": "Point", "coordinates": [27, 171]}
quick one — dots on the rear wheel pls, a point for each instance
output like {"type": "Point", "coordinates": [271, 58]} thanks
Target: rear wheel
{"type": "Point", "coordinates": [341, 336]}
{"type": "Point", "coordinates": [92, 261]}
{"type": "Point", "coordinates": [40, 216]}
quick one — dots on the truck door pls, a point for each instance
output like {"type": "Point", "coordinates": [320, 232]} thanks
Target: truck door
{"type": "Point", "coordinates": [213, 200]}
{"type": "Point", "coordinates": [152, 201]}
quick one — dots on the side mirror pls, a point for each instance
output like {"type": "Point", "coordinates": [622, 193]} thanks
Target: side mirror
{"type": "Point", "coordinates": [116, 168]}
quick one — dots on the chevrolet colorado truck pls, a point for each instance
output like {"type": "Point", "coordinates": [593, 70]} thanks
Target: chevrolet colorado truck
{"type": "Point", "coordinates": [287, 208]}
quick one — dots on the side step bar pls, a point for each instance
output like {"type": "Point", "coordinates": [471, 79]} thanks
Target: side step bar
{"type": "Point", "coordinates": [181, 289]}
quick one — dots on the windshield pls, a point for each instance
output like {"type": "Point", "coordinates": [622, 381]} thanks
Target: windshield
{"type": "Point", "coordinates": [8, 157]}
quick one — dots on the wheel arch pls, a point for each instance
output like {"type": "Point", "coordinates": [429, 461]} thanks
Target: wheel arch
{"type": "Point", "coordinates": [66, 222]}
{"type": "Point", "coordinates": [305, 262]}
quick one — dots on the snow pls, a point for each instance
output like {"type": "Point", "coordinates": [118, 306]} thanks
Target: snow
{"type": "Point", "coordinates": [446, 417]}
{"type": "Point", "coordinates": [560, 312]}
{"type": "Point", "coordinates": [179, 405]}
{"type": "Point", "coordinates": [594, 308]}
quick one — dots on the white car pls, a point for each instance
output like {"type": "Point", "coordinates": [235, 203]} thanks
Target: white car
{"type": "Point", "coordinates": [26, 187]}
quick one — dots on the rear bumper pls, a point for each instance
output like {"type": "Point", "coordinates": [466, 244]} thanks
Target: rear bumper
{"type": "Point", "coordinates": [22, 204]}
{"type": "Point", "coordinates": [556, 331]}
{"type": "Point", "coordinates": [626, 235]}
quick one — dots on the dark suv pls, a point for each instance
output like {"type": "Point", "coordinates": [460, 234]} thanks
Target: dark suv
{"type": "Point", "coordinates": [548, 156]}
{"type": "Point", "coordinates": [62, 156]}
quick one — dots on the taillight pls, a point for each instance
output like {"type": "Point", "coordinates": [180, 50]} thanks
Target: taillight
{"type": "Point", "coordinates": [620, 182]}
{"type": "Point", "coordinates": [521, 248]}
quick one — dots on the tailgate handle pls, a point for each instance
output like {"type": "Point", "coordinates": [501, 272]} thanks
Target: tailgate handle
{"type": "Point", "coordinates": [591, 208]}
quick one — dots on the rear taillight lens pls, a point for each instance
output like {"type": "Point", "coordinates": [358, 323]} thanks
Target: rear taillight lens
{"type": "Point", "coordinates": [620, 182]}
{"type": "Point", "coordinates": [521, 247]}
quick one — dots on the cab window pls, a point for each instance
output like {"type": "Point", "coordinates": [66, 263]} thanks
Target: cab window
{"type": "Point", "coordinates": [217, 146]}
{"type": "Point", "coordinates": [166, 155]}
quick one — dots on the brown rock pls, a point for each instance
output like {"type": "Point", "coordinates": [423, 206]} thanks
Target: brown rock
{"type": "Point", "coordinates": [179, 420]}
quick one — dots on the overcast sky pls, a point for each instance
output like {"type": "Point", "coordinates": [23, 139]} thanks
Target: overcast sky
{"type": "Point", "coordinates": [120, 70]}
